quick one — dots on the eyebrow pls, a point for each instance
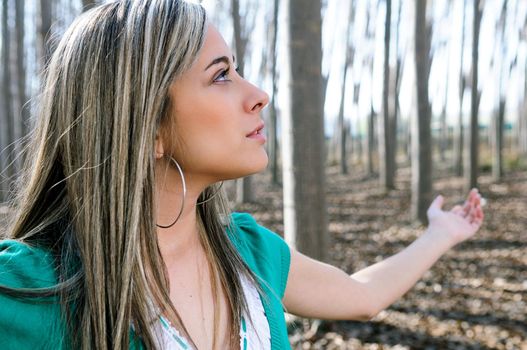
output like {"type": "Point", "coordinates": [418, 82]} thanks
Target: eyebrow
{"type": "Point", "coordinates": [222, 59]}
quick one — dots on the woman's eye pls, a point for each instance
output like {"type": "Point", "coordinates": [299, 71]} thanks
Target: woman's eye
{"type": "Point", "coordinates": [223, 76]}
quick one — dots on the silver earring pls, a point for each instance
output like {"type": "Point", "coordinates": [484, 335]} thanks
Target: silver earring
{"type": "Point", "coordinates": [213, 195]}
{"type": "Point", "coordinates": [184, 193]}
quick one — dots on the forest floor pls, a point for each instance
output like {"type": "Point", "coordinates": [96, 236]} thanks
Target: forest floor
{"type": "Point", "coordinates": [475, 297]}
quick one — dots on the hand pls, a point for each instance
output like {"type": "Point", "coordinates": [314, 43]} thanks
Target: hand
{"type": "Point", "coordinates": [458, 224]}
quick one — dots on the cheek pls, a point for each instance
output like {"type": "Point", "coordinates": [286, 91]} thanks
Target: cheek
{"type": "Point", "coordinates": [207, 134]}
{"type": "Point", "coordinates": [213, 141]}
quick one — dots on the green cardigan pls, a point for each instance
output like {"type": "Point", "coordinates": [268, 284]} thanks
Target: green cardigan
{"type": "Point", "coordinates": [28, 324]}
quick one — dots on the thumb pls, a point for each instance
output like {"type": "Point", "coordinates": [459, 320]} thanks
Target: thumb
{"type": "Point", "coordinates": [436, 205]}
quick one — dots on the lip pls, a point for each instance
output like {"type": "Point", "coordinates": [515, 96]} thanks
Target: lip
{"type": "Point", "coordinates": [256, 131]}
{"type": "Point", "coordinates": [257, 134]}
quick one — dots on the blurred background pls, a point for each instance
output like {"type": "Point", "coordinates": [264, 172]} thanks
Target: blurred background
{"type": "Point", "coordinates": [377, 106]}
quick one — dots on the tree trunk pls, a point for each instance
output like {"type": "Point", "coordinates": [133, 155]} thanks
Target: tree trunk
{"type": "Point", "coordinates": [341, 129]}
{"type": "Point", "coordinates": [244, 190]}
{"type": "Point", "coordinates": [6, 117]}
{"type": "Point", "coordinates": [497, 144]}
{"type": "Point", "coordinates": [458, 137]}
{"type": "Point", "coordinates": [523, 118]}
{"type": "Point", "coordinates": [399, 67]}
{"type": "Point", "coordinates": [443, 136]}
{"type": "Point", "coordinates": [44, 21]}
{"type": "Point", "coordinates": [370, 139]}
{"type": "Point", "coordinates": [273, 120]}
{"type": "Point", "coordinates": [499, 116]}
{"type": "Point", "coordinates": [472, 156]}
{"type": "Point", "coordinates": [359, 153]}
{"type": "Point", "coordinates": [386, 132]}
{"type": "Point", "coordinates": [421, 135]}
{"type": "Point", "coordinates": [22, 110]}
{"type": "Point", "coordinates": [8, 153]}
{"type": "Point", "coordinates": [305, 216]}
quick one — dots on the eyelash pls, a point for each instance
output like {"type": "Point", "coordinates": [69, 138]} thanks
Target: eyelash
{"type": "Point", "coordinates": [225, 73]}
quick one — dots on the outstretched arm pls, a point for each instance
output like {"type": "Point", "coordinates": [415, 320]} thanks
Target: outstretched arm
{"type": "Point", "coordinates": [318, 290]}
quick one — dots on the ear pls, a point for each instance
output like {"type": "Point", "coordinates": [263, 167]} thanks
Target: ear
{"type": "Point", "coordinates": [159, 149]}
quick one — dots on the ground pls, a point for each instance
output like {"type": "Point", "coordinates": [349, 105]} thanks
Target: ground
{"type": "Point", "coordinates": [475, 297]}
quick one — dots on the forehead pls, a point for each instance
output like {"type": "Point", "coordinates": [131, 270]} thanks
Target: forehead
{"type": "Point", "coordinates": [213, 46]}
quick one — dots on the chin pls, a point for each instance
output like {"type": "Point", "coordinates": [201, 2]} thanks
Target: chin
{"type": "Point", "coordinates": [254, 166]}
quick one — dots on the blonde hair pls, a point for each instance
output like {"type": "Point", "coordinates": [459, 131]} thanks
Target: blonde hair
{"type": "Point", "coordinates": [87, 189]}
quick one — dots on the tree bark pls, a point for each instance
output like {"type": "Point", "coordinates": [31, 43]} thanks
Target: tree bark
{"type": "Point", "coordinates": [472, 156]}
{"type": "Point", "coordinates": [244, 187]}
{"type": "Point", "coordinates": [386, 132]}
{"type": "Point", "coordinates": [342, 130]}
{"type": "Point", "coordinates": [44, 21]}
{"type": "Point", "coordinates": [443, 136]}
{"type": "Point", "coordinates": [499, 116]}
{"type": "Point", "coordinates": [22, 110]}
{"type": "Point", "coordinates": [421, 135]}
{"type": "Point", "coordinates": [305, 217]}
{"type": "Point", "coordinates": [370, 140]}
{"type": "Point", "coordinates": [399, 67]}
{"type": "Point", "coordinates": [8, 151]}
{"type": "Point", "coordinates": [523, 119]}
{"type": "Point", "coordinates": [273, 119]}
{"type": "Point", "coordinates": [6, 117]}
{"type": "Point", "coordinates": [459, 133]}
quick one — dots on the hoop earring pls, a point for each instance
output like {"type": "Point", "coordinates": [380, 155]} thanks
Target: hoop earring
{"type": "Point", "coordinates": [213, 195]}
{"type": "Point", "coordinates": [184, 193]}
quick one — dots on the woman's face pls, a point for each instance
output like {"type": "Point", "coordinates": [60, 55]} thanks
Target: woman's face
{"type": "Point", "coordinates": [217, 117]}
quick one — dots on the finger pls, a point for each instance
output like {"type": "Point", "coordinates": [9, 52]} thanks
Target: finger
{"type": "Point", "coordinates": [473, 194]}
{"type": "Point", "coordinates": [469, 217]}
{"type": "Point", "coordinates": [477, 214]}
{"type": "Point", "coordinates": [466, 208]}
{"type": "Point", "coordinates": [437, 203]}
{"type": "Point", "coordinates": [458, 209]}
{"type": "Point", "coordinates": [480, 214]}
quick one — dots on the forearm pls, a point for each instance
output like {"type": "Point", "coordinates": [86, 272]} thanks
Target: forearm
{"type": "Point", "coordinates": [388, 280]}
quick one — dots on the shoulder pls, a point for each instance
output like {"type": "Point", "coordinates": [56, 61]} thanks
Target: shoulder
{"type": "Point", "coordinates": [27, 322]}
{"type": "Point", "coordinates": [266, 253]}
{"type": "Point", "coordinates": [25, 266]}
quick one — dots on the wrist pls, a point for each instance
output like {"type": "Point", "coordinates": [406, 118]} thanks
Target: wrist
{"type": "Point", "coordinates": [438, 237]}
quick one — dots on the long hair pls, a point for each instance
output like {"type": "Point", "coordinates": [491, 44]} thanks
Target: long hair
{"type": "Point", "coordinates": [87, 189]}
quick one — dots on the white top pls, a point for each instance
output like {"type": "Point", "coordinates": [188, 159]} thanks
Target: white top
{"type": "Point", "coordinates": [253, 336]}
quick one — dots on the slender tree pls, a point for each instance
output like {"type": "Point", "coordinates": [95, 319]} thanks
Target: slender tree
{"type": "Point", "coordinates": [44, 21]}
{"type": "Point", "coordinates": [386, 131]}
{"type": "Point", "coordinates": [445, 45]}
{"type": "Point", "coordinates": [459, 131]}
{"type": "Point", "coordinates": [273, 119]}
{"type": "Point", "coordinates": [499, 115]}
{"type": "Point", "coordinates": [522, 115]}
{"type": "Point", "coordinates": [244, 191]}
{"type": "Point", "coordinates": [22, 110]}
{"type": "Point", "coordinates": [305, 217]}
{"type": "Point", "coordinates": [522, 118]}
{"type": "Point", "coordinates": [6, 153]}
{"type": "Point", "coordinates": [472, 156]}
{"type": "Point", "coordinates": [369, 63]}
{"type": "Point", "coordinates": [421, 135]}
{"type": "Point", "coordinates": [399, 68]}
{"type": "Point", "coordinates": [341, 128]}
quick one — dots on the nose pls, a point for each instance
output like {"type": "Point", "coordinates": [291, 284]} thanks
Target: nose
{"type": "Point", "coordinates": [256, 99]}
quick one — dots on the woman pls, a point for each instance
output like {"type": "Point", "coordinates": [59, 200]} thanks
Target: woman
{"type": "Point", "coordinates": [120, 238]}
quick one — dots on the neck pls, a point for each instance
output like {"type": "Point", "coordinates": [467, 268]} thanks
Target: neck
{"type": "Point", "coordinates": [182, 238]}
